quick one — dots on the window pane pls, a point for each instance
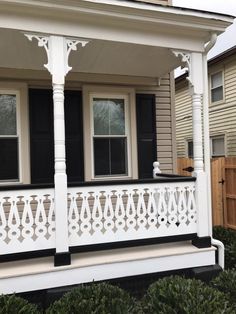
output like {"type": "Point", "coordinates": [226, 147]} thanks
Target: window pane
{"type": "Point", "coordinates": [109, 116]}
{"type": "Point", "coordinates": [7, 115]}
{"type": "Point", "coordinates": [110, 156]}
{"type": "Point", "coordinates": [9, 159]}
{"type": "Point", "coordinates": [190, 149]}
{"type": "Point", "coordinates": [216, 80]}
{"type": "Point", "coordinates": [217, 94]}
{"type": "Point", "coordinates": [101, 156]}
{"type": "Point", "coordinates": [118, 156]}
{"type": "Point", "coordinates": [218, 146]}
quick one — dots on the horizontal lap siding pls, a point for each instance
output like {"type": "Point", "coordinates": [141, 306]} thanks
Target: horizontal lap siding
{"type": "Point", "coordinates": [165, 153]}
{"type": "Point", "coordinates": [164, 2]}
{"type": "Point", "coordinates": [223, 115]}
{"type": "Point", "coordinates": [183, 112]}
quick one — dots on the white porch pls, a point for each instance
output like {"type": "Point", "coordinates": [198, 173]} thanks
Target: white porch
{"type": "Point", "coordinates": [134, 43]}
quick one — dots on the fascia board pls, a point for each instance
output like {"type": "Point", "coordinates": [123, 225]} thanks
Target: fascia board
{"type": "Point", "coordinates": [165, 15]}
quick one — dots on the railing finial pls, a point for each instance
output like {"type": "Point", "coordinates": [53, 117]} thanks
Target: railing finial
{"type": "Point", "coordinates": [156, 169]}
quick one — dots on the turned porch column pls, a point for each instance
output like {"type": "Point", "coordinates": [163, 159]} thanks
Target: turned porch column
{"type": "Point", "coordinates": [58, 49]}
{"type": "Point", "coordinates": [195, 65]}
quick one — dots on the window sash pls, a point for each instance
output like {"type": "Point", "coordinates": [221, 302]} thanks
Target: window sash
{"type": "Point", "coordinates": [217, 90]}
{"type": "Point", "coordinates": [111, 136]}
{"type": "Point", "coordinates": [217, 146]}
{"type": "Point", "coordinates": [16, 137]}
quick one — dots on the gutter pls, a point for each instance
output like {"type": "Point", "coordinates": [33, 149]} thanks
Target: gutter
{"type": "Point", "coordinates": [217, 243]}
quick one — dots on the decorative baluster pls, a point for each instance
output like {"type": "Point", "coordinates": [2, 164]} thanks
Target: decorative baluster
{"type": "Point", "coordinates": [14, 220]}
{"type": "Point", "coordinates": [40, 218]}
{"type": "Point", "coordinates": [130, 210]}
{"type": "Point", "coordinates": [97, 214]}
{"type": "Point", "coordinates": [73, 216]}
{"type": "Point", "coordinates": [27, 220]}
{"type": "Point", "coordinates": [3, 221]}
{"type": "Point", "coordinates": [119, 211]}
{"type": "Point", "coordinates": [141, 210]}
{"type": "Point", "coordinates": [152, 209]}
{"type": "Point", "coordinates": [108, 212]}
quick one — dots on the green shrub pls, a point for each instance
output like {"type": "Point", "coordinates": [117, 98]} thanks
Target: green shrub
{"type": "Point", "coordinates": [96, 298]}
{"type": "Point", "coordinates": [11, 304]}
{"type": "Point", "coordinates": [228, 237]}
{"type": "Point", "coordinates": [226, 282]}
{"type": "Point", "coordinates": [177, 295]}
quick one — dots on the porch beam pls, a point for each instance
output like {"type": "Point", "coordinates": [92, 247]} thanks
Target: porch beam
{"type": "Point", "coordinates": [58, 49]}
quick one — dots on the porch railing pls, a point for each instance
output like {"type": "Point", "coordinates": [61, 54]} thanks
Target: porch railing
{"type": "Point", "coordinates": [27, 220]}
{"type": "Point", "coordinates": [126, 212]}
{"type": "Point", "coordinates": [98, 214]}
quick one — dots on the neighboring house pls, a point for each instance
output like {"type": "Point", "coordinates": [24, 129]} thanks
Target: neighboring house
{"type": "Point", "coordinates": [222, 108]}
{"type": "Point", "coordinates": [101, 127]}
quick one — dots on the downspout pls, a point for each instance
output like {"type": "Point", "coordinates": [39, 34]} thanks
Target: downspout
{"type": "Point", "coordinates": [217, 243]}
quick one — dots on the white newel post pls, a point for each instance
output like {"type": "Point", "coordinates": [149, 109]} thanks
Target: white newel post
{"type": "Point", "coordinates": [58, 49]}
{"type": "Point", "coordinates": [194, 63]}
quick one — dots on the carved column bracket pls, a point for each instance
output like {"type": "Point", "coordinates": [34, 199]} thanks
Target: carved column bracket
{"type": "Point", "coordinates": [185, 58]}
{"type": "Point", "coordinates": [58, 50]}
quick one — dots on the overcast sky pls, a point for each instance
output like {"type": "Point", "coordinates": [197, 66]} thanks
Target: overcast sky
{"type": "Point", "coordinates": [226, 40]}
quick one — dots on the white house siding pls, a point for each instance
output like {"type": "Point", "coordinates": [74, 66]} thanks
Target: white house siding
{"type": "Point", "coordinates": [165, 123]}
{"type": "Point", "coordinates": [222, 115]}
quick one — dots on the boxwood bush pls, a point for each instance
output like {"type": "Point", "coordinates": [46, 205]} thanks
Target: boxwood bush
{"type": "Point", "coordinates": [177, 295]}
{"type": "Point", "coordinates": [226, 282]}
{"type": "Point", "coordinates": [95, 299]}
{"type": "Point", "coordinates": [228, 237]}
{"type": "Point", "coordinates": [11, 304]}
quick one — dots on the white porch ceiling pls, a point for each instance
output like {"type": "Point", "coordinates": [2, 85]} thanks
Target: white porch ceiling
{"type": "Point", "coordinates": [99, 56]}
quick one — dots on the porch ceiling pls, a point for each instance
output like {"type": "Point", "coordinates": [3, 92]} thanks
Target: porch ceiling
{"type": "Point", "coordinates": [99, 56]}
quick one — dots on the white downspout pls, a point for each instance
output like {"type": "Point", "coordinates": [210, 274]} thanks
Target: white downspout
{"type": "Point", "coordinates": [207, 161]}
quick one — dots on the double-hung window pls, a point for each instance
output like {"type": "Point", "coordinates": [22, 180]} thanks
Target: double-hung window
{"type": "Point", "coordinates": [110, 135]}
{"type": "Point", "coordinates": [9, 138]}
{"type": "Point", "coordinates": [217, 90]}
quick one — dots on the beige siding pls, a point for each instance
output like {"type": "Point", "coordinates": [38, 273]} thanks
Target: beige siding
{"type": "Point", "coordinates": [222, 115]}
{"type": "Point", "coordinates": [165, 153]}
{"type": "Point", "coordinates": [165, 2]}
{"type": "Point", "coordinates": [183, 112]}
{"type": "Point", "coordinates": [164, 118]}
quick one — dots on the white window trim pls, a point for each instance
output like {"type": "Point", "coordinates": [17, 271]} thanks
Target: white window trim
{"type": "Point", "coordinates": [211, 145]}
{"type": "Point", "coordinates": [22, 127]}
{"type": "Point", "coordinates": [223, 87]}
{"type": "Point", "coordinates": [130, 123]}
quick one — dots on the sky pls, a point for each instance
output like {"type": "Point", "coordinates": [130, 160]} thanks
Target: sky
{"type": "Point", "coordinates": [226, 40]}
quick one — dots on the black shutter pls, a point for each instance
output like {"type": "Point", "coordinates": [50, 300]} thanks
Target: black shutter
{"type": "Point", "coordinates": [41, 135]}
{"type": "Point", "coordinates": [146, 134]}
{"type": "Point", "coordinates": [74, 136]}
{"type": "Point", "coordinates": [42, 138]}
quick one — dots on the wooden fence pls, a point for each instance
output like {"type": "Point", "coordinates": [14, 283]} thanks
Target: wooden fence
{"type": "Point", "coordinates": [223, 184]}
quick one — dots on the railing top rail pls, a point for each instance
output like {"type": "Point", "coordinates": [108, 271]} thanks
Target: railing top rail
{"type": "Point", "coordinates": [162, 178]}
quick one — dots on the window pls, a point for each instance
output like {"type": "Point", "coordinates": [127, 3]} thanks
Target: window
{"type": "Point", "coordinates": [218, 146]}
{"type": "Point", "coordinates": [110, 135]}
{"type": "Point", "coordinates": [190, 149]}
{"type": "Point", "coordinates": [9, 139]}
{"type": "Point", "coordinates": [217, 92]}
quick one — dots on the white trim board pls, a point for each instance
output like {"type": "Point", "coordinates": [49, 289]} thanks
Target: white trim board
{"type": "Point", "coordinates": [36, 274]}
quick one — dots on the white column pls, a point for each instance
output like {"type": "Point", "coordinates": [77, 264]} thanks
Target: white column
{"type": "Point", "coordinates": [58, 49]}
{"type": "Point", "coordinates": [196, 90]}
{"type": "Point", "coordinates": [60, 177]}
